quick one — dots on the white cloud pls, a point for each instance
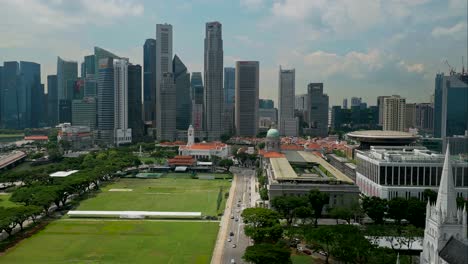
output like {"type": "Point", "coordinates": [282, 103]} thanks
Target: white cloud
{"type": "Point", "coordinates": [113, 8]}
{"type": "Point", "coordinates": [457, 31]}
{"type": "Point", "coordinates": [252, 4]}
{"type": "Point", "coordinates": [412, 68]}
{"type": "Point", "coordinates": [245, 40]}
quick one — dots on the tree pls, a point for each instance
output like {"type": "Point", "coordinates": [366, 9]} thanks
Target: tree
{"type": "Point", "coordinates": [262, 225]}
{"type": "Point", "coordinates": [304, 213]}
{"type": "Point", "coordinates": [398, 209]}
{"type": "Point", "coordinates": [7, 220]}
{"type": "Point", "coordinates": [261, 145]}
{"type": "Point", "coordinates": [226, 163]}
{"type": "Point", "coordinates": [286, 206]}
{"type": "Point", "coordinates": [317, 201]}
{"type": "Point", "coordinates": [461, 202]}
{"type": "Point", "coordinates": [267, 254]}
{"type": "Point", "coordinates": [225, 137]}
{"type": "Point", "coordinates": [430, 195]}
{"type": "Point", "coordinates": [375, 208]}
{"type": "Point", "coordinates": [322, 239]}
{"type": "Point", "coordinates": [416, 212]}
{"type": "Point", "coordinates": [341, 213]}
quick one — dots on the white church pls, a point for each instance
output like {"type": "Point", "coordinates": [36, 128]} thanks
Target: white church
{"type": "Point", "coordinates": [445, 236]}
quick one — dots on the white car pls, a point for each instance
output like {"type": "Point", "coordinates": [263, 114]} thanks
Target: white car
{"type": "Point", "coordinates": [234, 245]}
{"type": "Point", "coordinates": [229, 239]}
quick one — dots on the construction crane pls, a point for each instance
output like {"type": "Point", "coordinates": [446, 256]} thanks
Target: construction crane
{"type": "Point", "coordinates": [451, 69]}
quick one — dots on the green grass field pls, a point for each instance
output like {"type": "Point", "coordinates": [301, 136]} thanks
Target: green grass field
{"type": "Point", "coordinates": [296, 259]}
{"type": "Point", "coordinates": [119, 241]}
{"type": "Point", "coordinates": [5, 202]}
{"type": "Point", "coordinates": [165, 194]}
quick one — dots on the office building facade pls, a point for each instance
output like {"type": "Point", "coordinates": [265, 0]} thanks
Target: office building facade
{"type": "Point", "coordinates": [410, 116]}
{"type": "Point", "coordinates": [106, 101]}
{"type": "Point", "coordinates": [317, 111]}
{"type": "Point", "coordinates": [183, 99]}
{"type": "Point", "coordinates": [84, 112]}
{"type": "Point", "coordinates": [425, 117]}
{"type": "Point", "coordinates": [394, 113]}
{"type": "Point", "coordinates": [229, 85]}
{"type": "Point", "coordinates": [380, 105]}
{"type": "Point", "coordinates": [122, 132]}
{"type": "Point", "coordinates": [246, 101]}
{"type": "Point", "coordinates": [196, 84]}
{"type": "Point", "coordinates": [149, 80]}
{"type": "Point", "coordinates": [166, 127]}
{"type": "Point", "coordinates": [288, 124]}
{"type": "Point", "coordinates": [135, 116]}
{"type": "Point", "coordinates": [213, 70]}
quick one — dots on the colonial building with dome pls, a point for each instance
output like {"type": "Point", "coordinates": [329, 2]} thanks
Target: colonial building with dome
{"type": "Point", "coordinates": [273, 140]}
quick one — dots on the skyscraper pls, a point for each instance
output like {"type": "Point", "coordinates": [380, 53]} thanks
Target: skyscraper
{"type": "Point", "coordinates": [196, 84]}
{"type": "Point", "coordinates": [10, 95]}
{"type": "Point", "coordinates": [345, 103]}
{"type": "Point", "coordinates": [106, 101]}
{"type": "Point", "coordinates": [286, 100]}
{"type": "Point", "coordinates": [410, 116]}
{"type": "Point", "coordinates": [100, 53]}
{"type": "Point", "coordinates": [67, 74]}
{"type": "Point", "coordinates": [355, 101]}
{"type": "Point", "coordinates": [149, 80]}
{"type": "Point", "coordinates": [247, 92]}
{"type": "Point", "coordinates": [166, 128]}
{"type": "Point", "coordinates": [317, 110]}
{"type": "Point", "coordinates": [266, 103]}
{"type": "Point", "coordinates": [1, 95]}
{"type": "Point", "coordinates": [394, 114]}
{"type": "Point", "coordinates": [163, 66]}
{"type": "Point", "coordinates": [88, 66]}
{"type": "Point", "coordinates": [84, 112]}
{"type": "Point", "coordinates": [425, 117]}
{"type": "Point", "coordinates": [380, 104]}
{"type": "Point", "coordinates": [229, 85]}
{"type": "Point", "coordinates": [450, 106]}
{"type": "Point", "coordinates": [122, 132]}
{"type": "Point", "coordinates": [30, 95]}
{"type": "Point", "coordinates": [135, 117]}
{"type": "Point", "coordinates": [183, 101]}
{"type": "Point", "coordinates": [213, 93]}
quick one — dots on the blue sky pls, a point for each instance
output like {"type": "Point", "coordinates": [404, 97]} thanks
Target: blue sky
{"type": "Point", "coordinates": [359, 48]}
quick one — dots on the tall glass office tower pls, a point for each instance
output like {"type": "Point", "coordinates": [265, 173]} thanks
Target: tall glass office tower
{"type": "Point", "coordinates": [183, 100]}
{"type": "Point", "coordinates": [149, 80]}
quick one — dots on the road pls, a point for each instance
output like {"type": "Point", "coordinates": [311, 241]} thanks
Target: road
{"type": "Point", "coordinates": [244, 192]}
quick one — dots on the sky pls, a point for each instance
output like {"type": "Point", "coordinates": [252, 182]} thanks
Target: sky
{"type": "Point", "coordinates": [362, 48]}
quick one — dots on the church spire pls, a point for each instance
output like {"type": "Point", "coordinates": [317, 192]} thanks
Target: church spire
{"type": "Point", "coordinates": [446, 198]}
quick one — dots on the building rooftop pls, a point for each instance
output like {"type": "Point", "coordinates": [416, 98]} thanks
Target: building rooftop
{"type": "Point", "coordinates": [204, 146]}
{"type": "Point", "coordinates": [36, 138]}
{"type": "Point", "coordinates": [282, 169]}
{"type": "Point", "coordinates": [310, 157]}
{"type": "Point", "coordinates": [63, 173]}
{"type": "Point", "coordinates": [406, 154]}
{"type": "Point", "coordinates": [381, 134]}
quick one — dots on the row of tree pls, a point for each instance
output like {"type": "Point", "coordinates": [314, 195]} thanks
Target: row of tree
{"type": "Point", "coordinates": [40, 191]}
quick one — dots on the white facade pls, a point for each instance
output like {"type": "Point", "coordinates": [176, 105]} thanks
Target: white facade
{"type": "Point", "coordinates": [394, 113]}
{"type": "Point", "coordinates": [444, 220]}
{"type": "Point", "coordinates": [286, 102]}
{"type": "Point", "coordinates": [122, 134]}
{"type": "Point", "coordinates": [389, 172]}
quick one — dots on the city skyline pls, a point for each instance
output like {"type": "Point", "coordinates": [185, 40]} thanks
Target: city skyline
{"type": "Point", "coordinates": [385, 53]}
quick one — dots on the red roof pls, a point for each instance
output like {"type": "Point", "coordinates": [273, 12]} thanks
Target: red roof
{"type": "Point", "coordinates": [291, 147]}
{"type": "Point", "coordinates": [205, 146]}
{"type": "Point", "coordinates": [36, 138]}
{"type": "Point", "coordinates": [182, 160]}
{"type": "Point", "coordinates": [273, 154]}
{"type": "Point", "coordinates": [313, 145]}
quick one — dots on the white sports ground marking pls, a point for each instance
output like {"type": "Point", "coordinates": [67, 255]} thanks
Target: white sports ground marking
{"type": "Point", "coordinates": [120, 190]}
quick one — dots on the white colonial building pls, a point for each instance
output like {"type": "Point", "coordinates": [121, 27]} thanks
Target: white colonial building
{"type": "Point", "coordinates": [445, 236]}
{"type": "Point", "coordinates": [406, 171]}
{"type": "Point", "coordinates": [203, 149]}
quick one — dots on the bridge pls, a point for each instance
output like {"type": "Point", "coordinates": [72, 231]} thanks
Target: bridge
{"type": "Point", "coordinates": [12, 159]}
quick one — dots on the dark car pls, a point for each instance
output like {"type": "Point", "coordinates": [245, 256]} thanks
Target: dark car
{"type": "Point", "coordinates": [231, 233]}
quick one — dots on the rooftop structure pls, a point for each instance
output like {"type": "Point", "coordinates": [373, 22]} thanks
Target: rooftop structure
{"type": "Point", "coordinates": [181, 161]}
{"type": "Point", "coordinates": [369, 138]}
{"type": "Point", "coordinates": [11, 159]}
{"type": "Point", "coordinates": [63, 173]}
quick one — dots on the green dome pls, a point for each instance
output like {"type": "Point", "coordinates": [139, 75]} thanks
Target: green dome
{"type": "Point", "coordinates": [273, 132]}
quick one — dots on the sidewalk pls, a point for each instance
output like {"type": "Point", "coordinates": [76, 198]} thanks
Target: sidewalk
{"type": "Point", "coordinates": [223, 230]}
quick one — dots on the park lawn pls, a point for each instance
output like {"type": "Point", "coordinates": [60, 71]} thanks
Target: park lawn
{"type": "Point", "coordinates": [117, 241]}
{"type": "Point", "coordinates": [301, 259]}
{"type": "Point", "coordinates": [164, 194]}
{"type": "Point", "coordinates": [11, 135]}
{"type": "Point", "coordinates": [5, 200]}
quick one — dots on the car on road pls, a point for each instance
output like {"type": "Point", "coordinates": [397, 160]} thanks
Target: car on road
{"type": "Point", "coordinates": [229, 240]}
{"type": "Point", "coordinates": [234, 245]}
{"type": "Point", "coordinates": [231, 233]}
{"type": "Point", "coordinates": [232, 217]}
{"type": "Point", "coordinates": [233, 261]}
{"type": "Point", "coordinates": [238, 205]}
{"type": "Point", "coordinates": [237, 219]}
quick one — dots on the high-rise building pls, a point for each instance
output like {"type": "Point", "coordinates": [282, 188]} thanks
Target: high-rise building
{"type": "Point", "coordinates": [1, 95]}
{"type": "Point", "coordinates": [105, 97]}
{"type": "Point", "coordinates": [122, 132]}
{"type": "Point", "coordinates": [10, 95]}
{"type": "Point", "coordinates": [410, 116]}
{"type": "Point", "coordinates": [380, 104]}
{"type": "Point", "coordinates": [30, 95]}
{"type": "Point", "coordinates": [288, 124]}
{"type": "Point", "coordinates": [135, 116]}
{"type": "Point", "coordinates": [84, 112]}
{"type": "Point", "coordinates": [450, 105]}
{"type": "Point", "coordinates": [425, 117]}
{"type": "Point", "coordinates": [166, 126]}
{"type": "Point", "coordinates": [356, 101]}
{"type": "Point", "coordinates": [163, 66]}
{"type": "Point", "coordinates": [183, 100]}
{"type": "Point", "coordinates": [67, 74]}
{"type": "Point", "coordinates": [90, 86]}
{"type": "Point", "coordinates": [196, 84]}
{"type": "Point", "coordinates": [354, 118]}
{"type": "Point", "coordinates": [229, 85]}
{"type": "Point", "coordinates": [100, 53]}
{"type": "Point", "coordinates": [88, 66]}
{"type": "Point", "coordinates": [52, 100]}
{"type": "Point", "coordinates": [317, 111]}
{"type": "Point", "coordinates": [394, 113]}
{"type": "Point", "coordinates": [247, 92]}
{"type": "Point", "coordinates": [213, 92]}
{"type": "Point", "coordinates": [149, 80]}
{"type": "Point", "coordinates": [345, 103]}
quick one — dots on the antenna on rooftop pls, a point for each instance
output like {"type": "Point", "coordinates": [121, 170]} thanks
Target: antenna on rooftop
{"type": "Point", "coordinates": [463, 66]}
{"type": "Point", "coordinates": [451, 69]}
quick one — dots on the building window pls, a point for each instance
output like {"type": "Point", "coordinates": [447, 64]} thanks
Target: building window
{"type": "Point", "coordinates": [408, 176]}
{"type": "Point", "coordinates": [465, 177]}
{"type": "Point", "coordinates": [402, 176]}
{"type": "Point", "coordinates": [459, 177]}
{"type": "Point", "coordinates": [389, 175]}
{"type": "Point", "coordinates": [382, 176]}
{"type": "Point", "coordinates": [422, 177]}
